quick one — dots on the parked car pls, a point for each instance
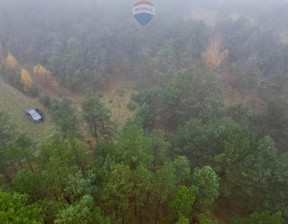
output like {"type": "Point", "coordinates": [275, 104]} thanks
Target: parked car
{"type": "Point", "coordinates": [40, 112]}
{"type": "Point", "coordinates": [34, 115]}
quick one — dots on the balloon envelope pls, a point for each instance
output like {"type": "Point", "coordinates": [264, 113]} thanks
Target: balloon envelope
{"type": "Point", "coordinates": [143, 11]}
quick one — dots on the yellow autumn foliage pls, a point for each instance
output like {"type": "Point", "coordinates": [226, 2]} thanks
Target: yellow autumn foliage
{"type": "Point", "coordinates": [12, 62]}
{"type": "Point", "coordinates": [26, 80]}
{"type": "Point", "coordinates": [41, 72]}
{"type": "Point", "coordinates": [46, 77]}
{"type": "Point", "coordinates": [213, 57]}
{"type": "Point", "coordinates": [54, 84]}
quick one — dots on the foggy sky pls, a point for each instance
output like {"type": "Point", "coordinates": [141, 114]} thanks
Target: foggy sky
{"type": "Point", "coordinates": [272, 11]}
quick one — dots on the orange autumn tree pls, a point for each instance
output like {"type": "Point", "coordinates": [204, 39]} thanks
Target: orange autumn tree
{"type": "Point", "coordinates": [45, 76]}
{"type": "Point", "coordinates": [26, 80]}
{"type": "Point", "coordinates": [12, 63]}
{"type": "Point", "coordinates": [213, 57]}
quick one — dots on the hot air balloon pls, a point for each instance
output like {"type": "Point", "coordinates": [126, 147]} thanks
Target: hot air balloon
{"type": "Point", "coordinates": [143, 12]}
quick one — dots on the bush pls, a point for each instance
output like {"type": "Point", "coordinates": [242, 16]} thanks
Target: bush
{"type": "Point", "coordinates": [131, 106]}
{"type": "Point", "coordinates": [134, 97]}
{"type": "Point", "coordinates": [34, 92]}
{"type": "Point", "coordinates": [45, 101]}
{"type": "Point", "coordinates": [121, 92]}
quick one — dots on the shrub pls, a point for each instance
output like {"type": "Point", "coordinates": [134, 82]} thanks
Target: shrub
{"type": "Point", "coordinates": [131, 106]}
{"type": "Point", "coordinates": [45, 101]}
{"type": "Point", "coordinates": [121, 92]}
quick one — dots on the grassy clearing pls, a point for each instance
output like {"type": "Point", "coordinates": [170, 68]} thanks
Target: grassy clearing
{"type": "Point", "coordinates": [116, 98]}
{"type": "Point", "coordinates": [14, 102]}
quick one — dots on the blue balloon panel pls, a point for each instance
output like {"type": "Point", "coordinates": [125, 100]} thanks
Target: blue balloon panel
{"type": "Point", "coordinates": [143, 18]}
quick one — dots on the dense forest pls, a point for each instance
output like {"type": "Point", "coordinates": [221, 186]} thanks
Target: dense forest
{"type": "Point", "coordinates": [189, 154]}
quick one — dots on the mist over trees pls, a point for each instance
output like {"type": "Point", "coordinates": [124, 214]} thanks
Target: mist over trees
{"type": "Point", "coordinates": [188, 154]}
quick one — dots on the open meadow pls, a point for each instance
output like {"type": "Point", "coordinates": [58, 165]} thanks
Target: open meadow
{"type": "Point", "coordinates": [14, 102]}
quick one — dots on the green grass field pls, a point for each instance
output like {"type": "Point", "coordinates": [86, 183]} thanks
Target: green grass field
{"type": "Point", "coordinates": [14, 102]}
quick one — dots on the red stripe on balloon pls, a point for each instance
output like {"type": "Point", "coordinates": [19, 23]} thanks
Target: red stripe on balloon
{"type": "Point", "coordinates": [143, 3]}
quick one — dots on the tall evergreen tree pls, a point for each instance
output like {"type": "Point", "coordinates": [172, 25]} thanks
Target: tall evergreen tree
{"type": "Point", "coordinates": [98, 118]}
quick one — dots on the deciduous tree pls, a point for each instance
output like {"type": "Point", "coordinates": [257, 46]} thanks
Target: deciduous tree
{"type": "Point", "coordinates": [260, 218]}
{"type": "Point", "coordinates": [182, 202]}
{"type": "Point", "coordinates": [183, 220]}
{"type": "Point", "coordinates": [206, 182]}
{"type": "Point", "coordinates": [12, 63]}
{"type": "Point", "coordinates": [83, 211]}
{"type": "Point", "coordinates": [45, 76]}
{"type": "Point", "coordinates": [15, 209]}
{"type": "Point", "coordinates": [213, 57]}
{"type": "Point", "coordinates": [26, 80]}
{"type": "Point", "coordinates": [206, 220]}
